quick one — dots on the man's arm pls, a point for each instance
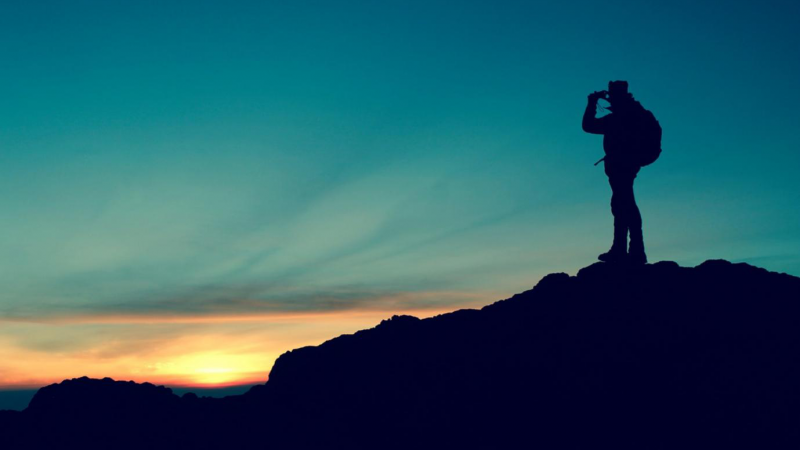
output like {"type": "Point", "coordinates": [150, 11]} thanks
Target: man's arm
{"type": "Point", "coordinates": [590, 123]}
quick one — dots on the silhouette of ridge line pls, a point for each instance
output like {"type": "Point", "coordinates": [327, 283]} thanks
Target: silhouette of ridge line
{"type": "Point", "coordinates": [645, 356]}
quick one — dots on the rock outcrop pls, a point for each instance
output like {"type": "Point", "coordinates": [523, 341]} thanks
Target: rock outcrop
{"type": "Point", "coordinates": [656, 356]}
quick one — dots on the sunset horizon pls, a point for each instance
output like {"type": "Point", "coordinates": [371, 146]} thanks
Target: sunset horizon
{"type": "Point", "coordinates": [190, 365]}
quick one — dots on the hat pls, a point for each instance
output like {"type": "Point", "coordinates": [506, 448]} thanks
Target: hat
{"type": "Point", "coordinates": [617, 88]}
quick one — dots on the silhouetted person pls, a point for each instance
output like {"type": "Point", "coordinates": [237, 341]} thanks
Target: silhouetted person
{"type": "Point", "coordinates": [629, 141]}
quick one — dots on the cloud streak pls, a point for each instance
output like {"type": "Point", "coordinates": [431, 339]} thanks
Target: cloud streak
{"type": "Point", "coordinates": [236, 309]}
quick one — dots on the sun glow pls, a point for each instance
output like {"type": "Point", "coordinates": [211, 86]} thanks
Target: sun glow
{"type": "Point", "coordinates": [215, 368]}
{"type": "Point", "coordinates": [208, 351]}
{"type": "Point", "coordinates": [215, 375]}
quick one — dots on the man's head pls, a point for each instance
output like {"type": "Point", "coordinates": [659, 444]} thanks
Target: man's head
{"type": "Point", "coordinates": [618, 92]}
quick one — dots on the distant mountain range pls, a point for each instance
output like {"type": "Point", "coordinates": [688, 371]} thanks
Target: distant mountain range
{"type": "Point", "coordinates": [656, 356]}
{"type": "Point", "coordinates": [18, 399]}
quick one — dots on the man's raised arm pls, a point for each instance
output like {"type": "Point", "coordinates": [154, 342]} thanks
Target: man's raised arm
{"type": "Point", "coordinates": [591, 124]}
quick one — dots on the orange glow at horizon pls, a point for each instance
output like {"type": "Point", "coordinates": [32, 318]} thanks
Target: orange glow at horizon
{"type": "Point", "coordinates": [198, 351]}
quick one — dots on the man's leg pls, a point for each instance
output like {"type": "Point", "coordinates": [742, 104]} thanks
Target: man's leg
{"type": "Point", "coordinates": [619, 248]}
{"type": "Point", "coordinates": [631, 217]}
{"type": "Point", "coordinates": [636, 252]}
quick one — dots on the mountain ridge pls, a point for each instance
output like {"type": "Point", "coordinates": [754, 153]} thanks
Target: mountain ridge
{"type": "Point", "coordinates": [651, 356]}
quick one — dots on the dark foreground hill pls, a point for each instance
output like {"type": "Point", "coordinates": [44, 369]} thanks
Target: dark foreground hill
{"type": "Point", "coordinates": [658, 356]}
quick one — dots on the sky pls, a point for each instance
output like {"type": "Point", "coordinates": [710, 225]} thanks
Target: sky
{"type": "Point", "coordinates": [189, 189]}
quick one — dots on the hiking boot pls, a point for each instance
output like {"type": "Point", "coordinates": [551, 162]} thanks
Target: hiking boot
{"type": "Point", "coordinates": [636, 255]}
{"type": "Point", "coordinates": [615, 255]}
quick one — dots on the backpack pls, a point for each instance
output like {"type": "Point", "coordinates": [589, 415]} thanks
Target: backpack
{"type": "Point", "coordinates": [648, 138]}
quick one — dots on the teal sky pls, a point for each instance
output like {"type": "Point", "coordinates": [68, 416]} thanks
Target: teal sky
{"type": "Point", "coordinates": [205, 157]}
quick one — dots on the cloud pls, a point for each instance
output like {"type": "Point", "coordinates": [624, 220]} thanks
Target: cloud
{"type": "Point", "coordinates": [246, 303]}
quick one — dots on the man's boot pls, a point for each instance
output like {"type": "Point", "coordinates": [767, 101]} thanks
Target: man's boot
{"type": "Point", "coordinates": [618, 252]}
{"type": "Point", "coordinates": [636, 253]}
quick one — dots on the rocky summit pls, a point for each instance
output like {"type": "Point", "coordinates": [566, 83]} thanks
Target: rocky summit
{"type": "Point", "coordinates": [644, 357]}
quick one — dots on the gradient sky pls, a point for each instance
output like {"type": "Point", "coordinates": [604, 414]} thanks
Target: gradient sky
{"type": "Point", "coordinates": [188, 189]}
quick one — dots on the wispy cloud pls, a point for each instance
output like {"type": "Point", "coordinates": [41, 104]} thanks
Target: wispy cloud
{"type": "Point", "coordinates": [222, 305]}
